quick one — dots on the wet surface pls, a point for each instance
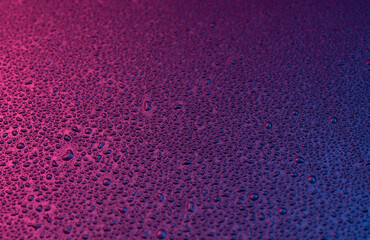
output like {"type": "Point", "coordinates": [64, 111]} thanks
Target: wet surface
{"type": "Point", "coordinates": [184, 120]}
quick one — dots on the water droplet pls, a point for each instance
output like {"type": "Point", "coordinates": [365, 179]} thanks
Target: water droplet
{"type": "Point", "coordinates": [299, 160]}
{"type": "Point", "coordinates": [88, 131]}
{"type": "Point", "coordinates": [253, 197]}
{"type": "Point", "coordinates": [334, 120]}
{"type": "Point", "coordinates": [20, 145]}
{"type": "Point", "coordinates": [190, 207]}
{"type": "Point", "coordinates": [67, 138]}
{"type": "Point", "coordinates": [311, 179]}
{"type": "Point", "coordinates": [106, 182]}
{"type": "Point", "coordinates": [161, 234]}
{"type": "Point", "coordinates": [283, 211]}
{"type": "Point", "coordinates": [68, 156]}
{"type": "Point", "coordinates": [67, 230]}
{"type": "Point", "coordinates": [147, 106]}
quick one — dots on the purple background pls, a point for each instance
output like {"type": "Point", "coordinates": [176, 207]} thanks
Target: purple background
{"type": "Point", "coordinates": [184, 119]}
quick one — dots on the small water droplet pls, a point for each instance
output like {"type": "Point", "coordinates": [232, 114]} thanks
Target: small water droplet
{"type": "Point", "coordinates": [67, 138]}
{"type": "Point", "coordinates": [147, 106]}
{"type": "Point", "coordinates": [268, 125]}
{"type": "Point", "coordinates": [68, 156]}
{"type": "Point", "coordinates": [161, 234]}
{"type": "Point", "coordinates": [311, 179]}
{"type": "Point", "coordinates": [253, 197]}
{"type": "Point", "coordinates": [190, 207]}
{"type": "Point", "coordinates": [299, 160]}
{"type": "Point", "coordinates": [20, 145]}
{"type": "Point", "coordinates": [106, 182]}
{"type": "Point", "coordinates": [334, 120]}
{"type": "Point", "coordinates": [283, 211]}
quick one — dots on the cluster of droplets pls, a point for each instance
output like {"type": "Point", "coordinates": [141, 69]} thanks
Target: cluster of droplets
{"type": "Point", "coordinates": [146, 121]}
